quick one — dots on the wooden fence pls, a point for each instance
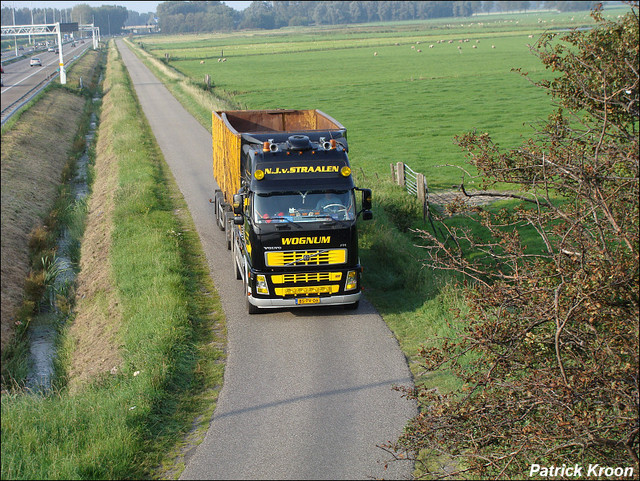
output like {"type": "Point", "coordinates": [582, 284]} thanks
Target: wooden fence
{"type": "Point", "coordinates": [414, 182]}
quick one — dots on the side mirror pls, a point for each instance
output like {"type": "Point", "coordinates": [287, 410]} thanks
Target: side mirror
{"type": "Point", "coordinates": [367, 215]}
{"type": "Point", "coordinates": [238, 220]}
{"type": "Point", "coordinates": [238, 200]}
{"type": "Point", "coordinates": [366, 199]}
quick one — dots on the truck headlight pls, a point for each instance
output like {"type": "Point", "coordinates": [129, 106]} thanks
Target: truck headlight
{"type": "Point", "coordinates": [261, 284]}
{"type": "Point", "coordinates": [352, 281]}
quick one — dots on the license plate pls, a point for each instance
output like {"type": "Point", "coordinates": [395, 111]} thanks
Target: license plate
{"type": "Point", "coordinates": [308, 300]}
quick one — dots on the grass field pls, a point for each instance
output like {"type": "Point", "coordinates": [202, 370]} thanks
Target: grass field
{"type": "Point", "coordinates": [398, 104]}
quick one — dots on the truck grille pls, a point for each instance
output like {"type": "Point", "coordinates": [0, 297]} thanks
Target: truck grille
{"type": "Point", "coordinates": [306, 291]}
{"type": "Point", "coordinates": [306, 277]}
{"type": "Point", "coordinates": [306, 258]}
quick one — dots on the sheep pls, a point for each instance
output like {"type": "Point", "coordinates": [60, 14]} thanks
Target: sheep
{"type": "Point", "coordinates": [375, 54]}
{"type": "Point", "coordinates": [431, 46]}
{"type": "Point", "coordinates": [201, 61]}
{"type": "Point", "coordinates": [419, 50]}
{"type": "Point", "coordinates": [413, 46]}
{"type": "Point", "coordinates": [493, 46]}
{"type": "Point", "coordinates": [474, 46]}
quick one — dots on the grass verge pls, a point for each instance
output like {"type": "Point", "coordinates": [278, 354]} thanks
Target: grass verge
{"type": "Point", "coordinates": [34, 170]}
{"type": "Point", "coordinates": [124, 423]}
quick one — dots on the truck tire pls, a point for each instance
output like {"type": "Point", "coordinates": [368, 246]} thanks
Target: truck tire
{"type": "Point", "coordinates": [219, 211]}
{"type": "Point", "coordinates": [251, 309]}
{"type": "Point", "coordinates": [352, 307]}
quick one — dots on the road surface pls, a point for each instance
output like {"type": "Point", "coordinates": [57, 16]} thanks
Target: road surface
{"type": "Point", "coordinates": [307, 393]}
{"type": "Point", "coordinates": [20, 80]}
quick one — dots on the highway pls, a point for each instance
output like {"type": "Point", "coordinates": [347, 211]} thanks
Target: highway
{"type": "Point", "coordinates": [20, 81]}
{"type": "Point", "coordinates": [308, 393]}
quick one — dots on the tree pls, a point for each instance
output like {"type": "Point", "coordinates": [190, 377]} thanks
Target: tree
{"type": "Point", "coordinates": [548, 359]}
{"type": "Point", "coordinates": [109, 18]}
{"type": "Point", "coordinates": [82, 13]}
{"type": "Point", "coordinates": [574, 6]}
{"type": "Point", "coordinates": [259, 15]}
{"type": "Point", "coordinates": [462, 9]}
{"type": "Point", "coordinates": [357, 12]}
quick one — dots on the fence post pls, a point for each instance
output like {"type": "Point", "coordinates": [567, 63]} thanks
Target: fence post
{"type": "Point", "coordinates": [400, 173]}
{"type": "Point", "coordinates": [423, 194]}
{"type": "Point", "coordinates": [207, 81]}
{"type": "Point", "coordinates": [420, 187]}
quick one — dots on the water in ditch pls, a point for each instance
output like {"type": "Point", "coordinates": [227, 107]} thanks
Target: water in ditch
{"type": "Point", "coordinates": [43, 328]}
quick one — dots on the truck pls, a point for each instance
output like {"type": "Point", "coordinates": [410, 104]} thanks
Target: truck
{"type": "Point", "coordinates": [289, 207]}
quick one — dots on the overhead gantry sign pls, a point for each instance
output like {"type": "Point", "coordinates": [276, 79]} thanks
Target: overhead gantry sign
{"type": "Point", "coordinates": [52, 29]}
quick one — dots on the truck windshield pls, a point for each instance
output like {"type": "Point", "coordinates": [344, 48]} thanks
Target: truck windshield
{"type": "Point", "coordinates": [310, 206]}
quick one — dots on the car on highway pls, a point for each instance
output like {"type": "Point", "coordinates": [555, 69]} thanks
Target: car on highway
{"type": "Point", "coordinates": [35, 61]}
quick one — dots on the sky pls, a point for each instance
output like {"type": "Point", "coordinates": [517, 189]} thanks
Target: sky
{"type": "Point", "coordinates": [141, 7]}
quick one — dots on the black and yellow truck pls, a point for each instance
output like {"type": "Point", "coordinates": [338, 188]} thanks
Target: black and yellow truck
{"type": "Point", "coordinates": [288, 204]}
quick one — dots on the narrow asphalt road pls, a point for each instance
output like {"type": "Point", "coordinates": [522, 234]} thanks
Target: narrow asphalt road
{"type": "Point", "coordinates": [307, 393]}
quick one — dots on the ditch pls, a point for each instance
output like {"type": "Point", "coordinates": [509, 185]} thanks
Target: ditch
{"type": "Point", "coordinates": [60, 275]}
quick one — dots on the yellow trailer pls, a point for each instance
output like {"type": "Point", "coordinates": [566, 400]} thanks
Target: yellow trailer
{"type": "Point", "coordinates": [228, 128]}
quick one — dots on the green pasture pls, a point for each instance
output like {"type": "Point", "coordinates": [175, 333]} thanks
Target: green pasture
{"type": "Point", "coordinates": [398, 103]}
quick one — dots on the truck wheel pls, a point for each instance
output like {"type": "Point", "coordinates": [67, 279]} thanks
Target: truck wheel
{"type": "Point", "coordinates": [219, 211]}
{"type": "Point", "coordinates": [251, 309]}
{"type": "Point", "coordinates": [352, 307]}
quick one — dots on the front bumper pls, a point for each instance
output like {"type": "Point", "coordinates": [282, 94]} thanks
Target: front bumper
{"type": "Point", "coordinates": [338, 300]}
